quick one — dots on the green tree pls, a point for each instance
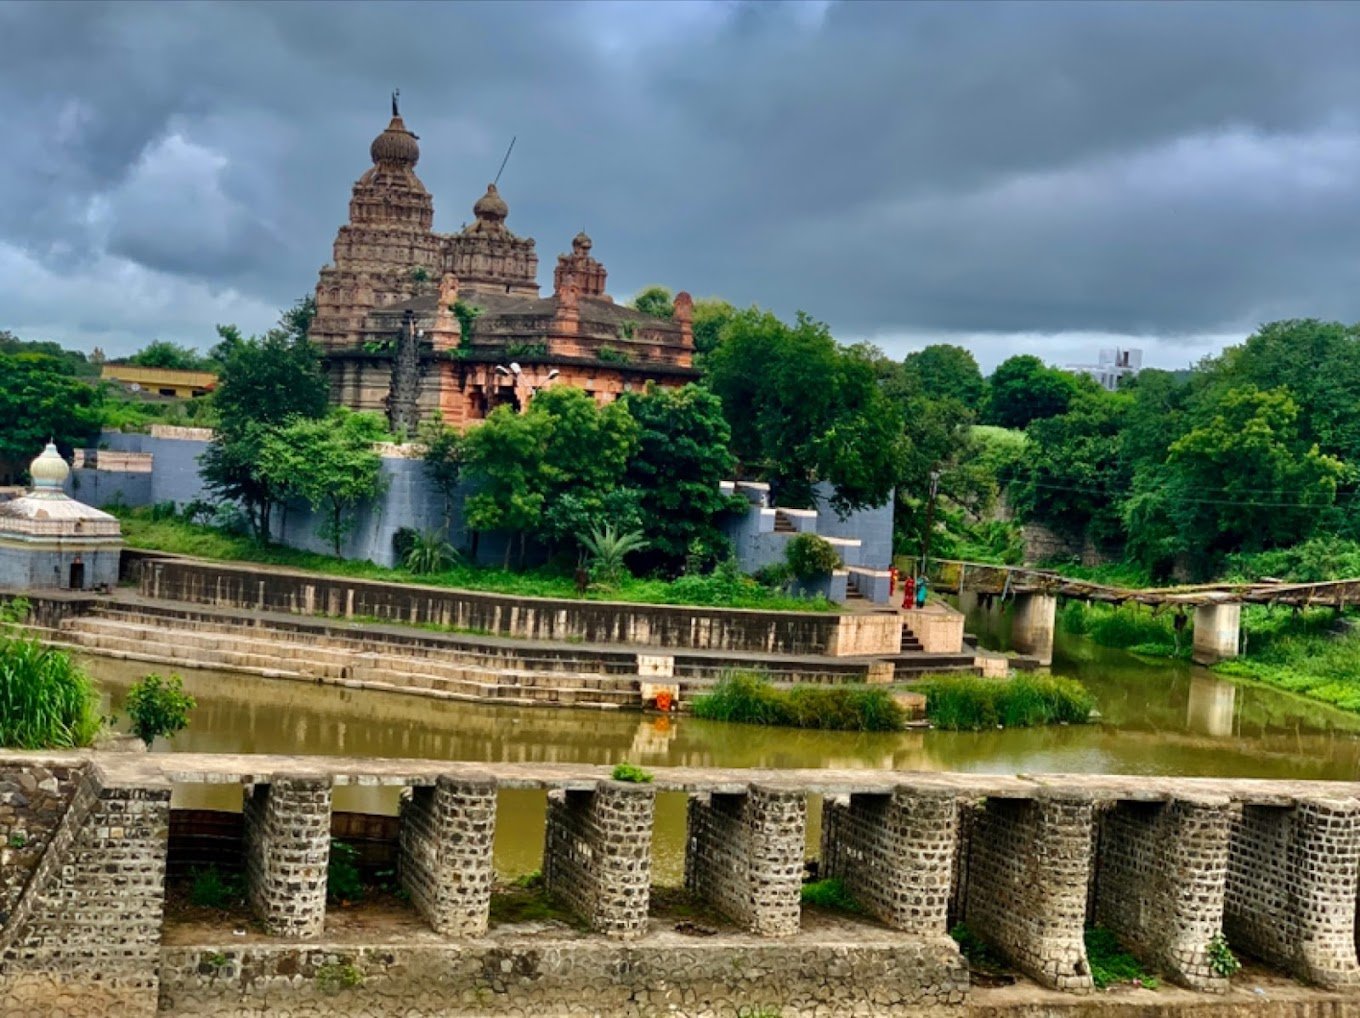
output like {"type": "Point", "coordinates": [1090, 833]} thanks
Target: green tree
{"type": "Point", "coordinates": [40, 399]}
{"type": "Point", "coordinates": [710, 315]}
{"type": "Point", "coordinates": [443, 454]}
{"type": "Point", "coordinates": [171, 356]}
{"type": "Point", "coordinates": [803, 410]}
{"type": "Point", "coordinates": [681, 460]}
{"type": "Point", "coordinates": [1244, 478]}
{"type": "Point", "coordinates": [265, 381]}
{"type": "Point", "coordinates": [1023, 389]}
{"type": "Point", "coordinates": [657, 301]}
{"type": "Point", "coordinates": [503, 457]}
{"type": "Point", "coordinates": [330, 463]}
{"type": "Point", "coordinates": [158, 706]}
{"type": "Point", "coordinates": [947, 372]}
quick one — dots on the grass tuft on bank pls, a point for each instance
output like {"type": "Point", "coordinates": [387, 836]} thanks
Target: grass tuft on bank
{"type": "Point", "coordinates": [969, 703]}
{"type": "Point", "coordinates": [750, 699]}
{"type": "Point", "coordinates": [46, 699]}
{"type": "Point", "coordinates": [719, 589]}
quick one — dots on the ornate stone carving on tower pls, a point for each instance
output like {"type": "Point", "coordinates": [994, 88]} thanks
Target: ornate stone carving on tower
{"type": "Point", "coordinates": [385, 308]}
{"type": "Point", "coordinates": [589, 273]}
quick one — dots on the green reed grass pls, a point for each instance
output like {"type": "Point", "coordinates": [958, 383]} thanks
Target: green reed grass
{"type": "Point", "coordinates": [46, 700]}
{"type": "Point", "coordinates": [750, 699]}
{"type": "Point", "coordinates": [969, 703]}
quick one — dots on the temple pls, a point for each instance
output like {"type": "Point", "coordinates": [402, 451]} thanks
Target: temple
{"type": "Point", "coordinates": [411, 321]}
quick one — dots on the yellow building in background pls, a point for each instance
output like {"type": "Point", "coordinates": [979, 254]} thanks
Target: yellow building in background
{"type": "Point", "coordinates": [160, 381]}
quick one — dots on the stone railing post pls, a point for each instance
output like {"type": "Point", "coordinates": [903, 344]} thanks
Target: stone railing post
{"type": "Point", "coordinates": [895, 854]}
{"type": "Point", "coordinates": [288, 849]}
{"type": "Point", "coordinates": [1028, 868]}
{"type": "Point", "coordinates": [447, 832]}
{"type": "Point", "coordinates": [597, 854]}
{"type": "Point", "coordinates": [1160, 882]}
{"type": "Point", "coordinates": [744, 856]}
{"type": "Point", "coordinates": [1293, 876]}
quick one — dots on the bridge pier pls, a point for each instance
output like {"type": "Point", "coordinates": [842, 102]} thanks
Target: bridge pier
{"type": "Point", "coordinates": [288, 848]}
{"type": "Point", "coordinates": [744, 856]}
{"type": "Point", "coordinates": [1032, 625]}
{"type": "Point", "coordinates": [1218, 628]}
{"type": "Point", "coordinates": [1160, 881]}
{"type": "Point", "coordinates": [1293, 876]}
{"type": "Point", "coordinates": [1029, 864]}
{"type": "Point", "coordinates": [895, 854]}
{"type": "Point", "coordinates": [597, 854]}
{"type": "Point", "coordinates": [447, 831]}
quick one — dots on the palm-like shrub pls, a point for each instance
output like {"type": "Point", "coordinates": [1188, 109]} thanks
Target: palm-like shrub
{"type": "Point", "coordinates": [428, 552]}
{"type": "Point", "coordinates": [607, 548]}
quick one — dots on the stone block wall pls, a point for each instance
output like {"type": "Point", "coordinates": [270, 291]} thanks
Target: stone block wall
{"type": "Point", "coordinates": [288, 848]}
{"type": "Point", "coordinates": [33, 800]}
{"type": "Point", "coordinates": [85, 938]}
{"type": "Point", "coordinates": [597, 855]}
{"type": "Point", "coordinates": [744, 856]}
{"type": "Point", "coordinates": [1292, 887]}
{"type": "Point", "coordinates": [1160, 880]}
{"type": "Point", "coordinates": [1028, 867]}
{"type": "Point", "coordinates": [446, 863]}
{"type": "Point", "coordinates": [895, 854]}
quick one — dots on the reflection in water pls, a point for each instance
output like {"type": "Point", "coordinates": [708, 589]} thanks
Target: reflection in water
{"type": "Point", "coordinates": [1156, 718]}
{"type": "Point", "coordinates": [1210, 709]}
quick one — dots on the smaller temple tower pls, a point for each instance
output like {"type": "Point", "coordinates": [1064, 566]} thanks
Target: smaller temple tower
{"type": "Point", "coordinates": [48, 540]}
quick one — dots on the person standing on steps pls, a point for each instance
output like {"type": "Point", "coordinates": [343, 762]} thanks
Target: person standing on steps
{"type": "Point", "coordinates": [922, 588]}
{"type": "Point", "coordinates": [909, 592]}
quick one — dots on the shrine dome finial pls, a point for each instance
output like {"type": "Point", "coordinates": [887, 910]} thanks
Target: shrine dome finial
{"type": "Point", "coordinates": [49, 471]}
{"type": "Point", "coordinates": [397, 144]}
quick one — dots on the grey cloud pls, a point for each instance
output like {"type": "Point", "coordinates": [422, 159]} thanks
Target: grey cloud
{"type": "Point", "coordinates": [896, 169]}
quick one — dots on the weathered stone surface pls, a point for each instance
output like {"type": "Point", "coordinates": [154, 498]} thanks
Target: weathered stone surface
{"type": "Point", "coordinates": [288, 848]}
{"type": "Point", "coordinates": [446, 865]}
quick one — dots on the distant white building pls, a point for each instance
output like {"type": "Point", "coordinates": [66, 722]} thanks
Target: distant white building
{"type": "Point", "coordinates": [1115, 363]}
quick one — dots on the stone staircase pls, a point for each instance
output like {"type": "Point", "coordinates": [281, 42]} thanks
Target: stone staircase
{"type": "Point", "coordinates": [472, 673]}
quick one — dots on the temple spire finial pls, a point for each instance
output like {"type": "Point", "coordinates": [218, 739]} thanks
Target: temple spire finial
{"type": "Point", "coordinates": [396, 94]}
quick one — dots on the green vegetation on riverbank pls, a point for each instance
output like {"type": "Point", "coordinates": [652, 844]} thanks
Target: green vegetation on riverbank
{"type": "Point", "coordinates": [750, 699]}
{"type": "Point", "coordinates": [46, 700]}
{"type": "Point", "coordinates": [970, 703]}
{"type": "Point", "coordinates": [723, 588]}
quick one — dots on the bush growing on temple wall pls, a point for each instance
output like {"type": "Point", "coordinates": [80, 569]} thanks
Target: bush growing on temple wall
{"type": "Point", "coordinates": [631, 773]}
{"type": "Point", "coordinates": [46, 700]}
{"type": "Point", "coordinates": [158, 706]}
{"type": "Point", "coordinates": [970, 703]}
{"type": "Point", "coordinates": [749, 699]}
{"type": "Point", "coordinates": [811, 556]}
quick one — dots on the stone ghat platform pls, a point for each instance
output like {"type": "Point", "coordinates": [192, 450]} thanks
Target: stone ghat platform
{"type": "Point", "coordinates": [1028, 862]}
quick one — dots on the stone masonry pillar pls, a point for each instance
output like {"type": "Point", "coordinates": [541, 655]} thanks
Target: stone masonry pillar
{"type": "Point", "coordinates": [446, 866]}
{"type": "Point", "coordinates": [744, 856]}
{"type": "Point", "coordinates": [1028, 869]}
{"type": "Point", "coordinates": [288, 848]}
{"type": "Point", "coordinates": [1293, 876]}
{"type": "Point", "coordinates": [597, 855]}
{"type": "Point", "coordinates": [1032, 625]}
{"type": "Point", "coordinates": [895, 854]}
{"type": "Point", "coordinates": [1160, 882]}
{"type": "Point", "coordinates": [1218, 629]}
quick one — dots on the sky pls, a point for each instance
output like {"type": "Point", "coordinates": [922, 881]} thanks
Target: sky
{"type": "Point", "coordinates": [1016, 178]}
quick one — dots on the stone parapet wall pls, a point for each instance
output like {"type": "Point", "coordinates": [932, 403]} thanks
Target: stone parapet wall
{"type": "Point", "coordinates": [446, 864]}
{"type": "Point", "coordinates": [288, 848]}
{"type": "Point", "coordinates": [744, 856]}
{"type": "Point", "coordinates": [1292, 887]}
{"type": "Point", "coordinates": [563, 977]}
{"type": "Point", "coordinates": [895, 854]}
{"type": "Point", "coordinates": [672, 626]}
{"type": "Point", "coordinates": [1162, 874]}
{"type": "Point", "coordinates": [33, 800]}
{"type": "Point", "coordinates": [85, 938]}
{"type": "Point", "coordinates": [1028, 869]}
{"type": "Point", "coordinates": [597, 855]}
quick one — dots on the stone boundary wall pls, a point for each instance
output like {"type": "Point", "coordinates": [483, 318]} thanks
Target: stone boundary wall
{"type": "Point", "coordinates": [597, 855]}
{"type": "Point", "coordinates": [672, 626]}
{"type": "Point", "coordinates": [83, 940]}
{"type": "Point", "coordinates": [33, 800]}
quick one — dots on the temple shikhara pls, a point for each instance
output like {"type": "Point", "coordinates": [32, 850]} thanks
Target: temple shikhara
{"type": "Point", "coordinates": [411, 321]}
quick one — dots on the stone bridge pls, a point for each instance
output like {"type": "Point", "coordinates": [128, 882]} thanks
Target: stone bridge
{"type": "Point", "coordinates": [1027, 862]}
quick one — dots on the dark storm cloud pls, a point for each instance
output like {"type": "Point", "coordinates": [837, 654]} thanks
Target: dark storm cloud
{"type": "Point", "coordinates": [900, 170]}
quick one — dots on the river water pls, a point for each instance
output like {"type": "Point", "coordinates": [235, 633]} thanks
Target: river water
{"type": "Point", "coordinates": [1156, 718]}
